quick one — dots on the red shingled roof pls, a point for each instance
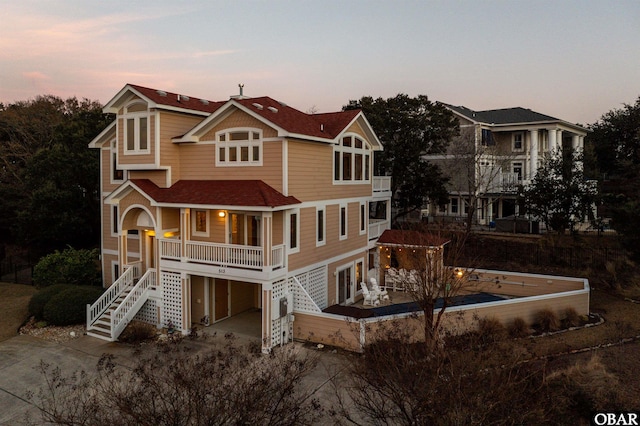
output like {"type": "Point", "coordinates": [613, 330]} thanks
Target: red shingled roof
{"type": "Point", "coordinates": [254, 193]}
{"type": "Point", "coordinates": [327, 125]}
{"type": "Point", "coordinates": [171, 99]}
{"type": "Point", "coordinates": [397, 237]}
{"type": "Point", "coordinates": [294, 121]}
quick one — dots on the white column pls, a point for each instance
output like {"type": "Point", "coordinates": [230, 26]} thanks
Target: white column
{"type": "Point", "coordinates": [559, 140]}
{"type": "Point", "coordinates": [533, 154]}
{"type": "Point", "coordinates": [552, 140]}
{"type": "Point", "coordinates": [575, 142]}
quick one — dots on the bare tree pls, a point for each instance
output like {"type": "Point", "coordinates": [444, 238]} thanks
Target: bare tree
{"type": "Point", "coordinates": [476, 166]}
{"type": "Point", "coordinates": [465, 381]}
{"type": "Point", "coordinates": [426, 261]}
{"type": "Point", "coordinates": [226, 384]}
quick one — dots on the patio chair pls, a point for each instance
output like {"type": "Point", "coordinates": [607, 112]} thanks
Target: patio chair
{"type": "Point", "coordinates": [370, 299]}
{"type": "Point", "coordinates": [391, 278]}
{"type": "Point", "coordinates": [382, 294]}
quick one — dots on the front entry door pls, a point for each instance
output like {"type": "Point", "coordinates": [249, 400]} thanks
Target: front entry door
{"type": "Point", "coordinates": [345, 286]}
{"type": "Point", "coordinates": [221, 304]}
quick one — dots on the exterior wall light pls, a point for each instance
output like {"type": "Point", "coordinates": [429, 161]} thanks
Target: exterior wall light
{"type": "Point", "coordinates": [222, 213]}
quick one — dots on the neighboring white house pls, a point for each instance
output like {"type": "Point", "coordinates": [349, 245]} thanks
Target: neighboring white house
{"type": "Point", "coordinates": [506, 147]}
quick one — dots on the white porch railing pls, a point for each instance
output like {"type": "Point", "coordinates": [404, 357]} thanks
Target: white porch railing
{"type": "Point", "coordinates": [377, 228]}
{"type": "Point", "coordinates": [122, 283]}
{"type": "Point", "coordinates": [381, 183]}
{"type": "Point", "coordinates": [229, 255]}
{"type": "Point", "coordinates": [131, 304]}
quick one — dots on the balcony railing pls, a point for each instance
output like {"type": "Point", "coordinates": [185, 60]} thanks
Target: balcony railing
{"type": "Point", "coordinates": [377, 227]}
{"type": "Point", "coordinates": [381, 183]}
{"type": "Point", "coordinates": [227, 255]}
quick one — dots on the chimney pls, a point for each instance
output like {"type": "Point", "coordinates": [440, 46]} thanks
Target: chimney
{"type": "Point", "coordinates": [241, 86]}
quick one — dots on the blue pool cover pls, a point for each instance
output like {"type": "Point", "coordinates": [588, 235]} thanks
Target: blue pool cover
{"type": "Point", "coordinates": [468, 299]}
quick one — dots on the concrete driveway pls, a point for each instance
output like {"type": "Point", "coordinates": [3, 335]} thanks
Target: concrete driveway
{"type": "Point", "coordinates": [20, 359]}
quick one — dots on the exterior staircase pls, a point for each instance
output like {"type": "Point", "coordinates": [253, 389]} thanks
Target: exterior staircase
{"type": "Point", "coordinates": [119, 304]}
{"type": "Point", "coordinates": [101, 328]}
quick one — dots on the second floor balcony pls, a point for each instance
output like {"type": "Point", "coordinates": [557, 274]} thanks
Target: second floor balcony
{"type": "Point", "coordinates": [250, 259]}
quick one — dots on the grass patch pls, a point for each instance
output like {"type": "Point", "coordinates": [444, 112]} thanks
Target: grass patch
{"type": "Point", "coordinates": [14, 299]}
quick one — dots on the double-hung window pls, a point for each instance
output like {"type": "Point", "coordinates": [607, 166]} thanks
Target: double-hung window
{"type": "Point", "coordinates": [293, 231]}
{"type": "Point", "coordinates": [518, 142]}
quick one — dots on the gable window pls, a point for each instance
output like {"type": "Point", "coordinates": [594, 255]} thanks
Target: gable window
{"type": "Point", "coordinates": [343, 222]}
{"type": "Point", "coordinates": [239, 147]}
{"type": "Point", "coordinates": [518, 141]}
{"type": "Point", "coordinates": [200, 222]}
{"type": "Point", "coordinates": [351, 160]}
{"type": "Point", "coordinates": [136, 130]}
{"type": "Point", "coordinates": [320, 226]}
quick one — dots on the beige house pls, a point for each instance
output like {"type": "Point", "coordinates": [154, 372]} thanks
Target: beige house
{"type": "Point", "coordinates": [498, 150]}
{"type": "Point", "coordinates": [211, 209]}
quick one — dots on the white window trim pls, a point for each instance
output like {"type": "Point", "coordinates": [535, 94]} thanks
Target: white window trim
{"type": "Point", "coordinates": [513, 168]}
{"type": "Point", "coordinates": [291, 250]}
{"type": "Point", "coordinates": [365, 151]}
{"type": "Point", "coordinates": [457, 206]}
{"type": "Point", "coordinates": [363, 218]}
{"type": "Point", "coordinates": [346, 222]}
{"type": "Point", "coordinates": [513, 142]}
{"type": "Point", "coordinates": [322, 209]}
{"type": "Point", "coordinates": [250, 144]}
{"type": "Point", "coordinates": [114, 212]}
{"type": "Point", "coordinates": [196, 233]}
{"type": "Point", "coordinates": [113, 159]}
{"type": "Point", "coordinates": [136, 132]}
{"type": "Point", "coordinates": [339, 269]}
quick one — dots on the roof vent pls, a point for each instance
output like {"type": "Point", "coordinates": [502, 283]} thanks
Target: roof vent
{"type": "Point", "coordinates": [282, 103]}
{"type": "Point", "coordinates": [257, 105]}
{"type": "Point", "coordinates": [161, 93]}
{"type": "Point", "coordinates": [272, 109]}
{"type": "Point", "coordinates": [204, 101]}
{"type": "Point", "coordinates": [185, 98]}
{"type": "Point", "coordinates": [322, 127]}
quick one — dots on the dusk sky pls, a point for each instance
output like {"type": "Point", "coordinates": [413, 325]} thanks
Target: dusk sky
{"type": "Point", "coordinates": [573, 60]}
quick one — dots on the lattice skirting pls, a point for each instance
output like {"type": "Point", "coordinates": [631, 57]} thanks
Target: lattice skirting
{"type": "Point", "coordinates": [171, 299]}
{"type": "Point", "coordinates": [148, 313]}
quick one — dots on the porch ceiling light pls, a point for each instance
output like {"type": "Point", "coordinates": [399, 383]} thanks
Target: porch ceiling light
{"type": "Point", "coordinates": [222, 213]}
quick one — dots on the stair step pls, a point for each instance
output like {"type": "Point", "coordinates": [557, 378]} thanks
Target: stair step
{"type": "Point", "coordinates": [100, 335]}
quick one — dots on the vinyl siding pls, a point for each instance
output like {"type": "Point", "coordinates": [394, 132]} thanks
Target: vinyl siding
{"type": "Point", "coordinates": [311, 174]}
{"type": "Point", "coordinates": [198, 161]}
{"type": "Point", "coordinates": [239, 119]}
{"type": "Point", "coordinates": [173, 125]}
{"type": "Point", "coordinates": [309, 253]}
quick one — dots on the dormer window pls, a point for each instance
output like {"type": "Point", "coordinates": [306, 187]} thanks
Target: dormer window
{"type": "Point", "coordinates": [136, 129]}
{"type": "Point", "coordinates": [352, 160]}
{"type": "Point", "coordinates": [239, 147]}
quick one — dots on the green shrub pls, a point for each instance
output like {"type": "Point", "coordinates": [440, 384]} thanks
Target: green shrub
{"type": "Point", "coordinates": [79, 267]}
{"type": "Point", "coordinates": [70, 305]}
{"type": "Point", "coordinates": [137, 332]}
{"type": "Point", "coordinates": [41, 298]}
{"type": "Point", "coordinates": [518, 328]}
{"type": "Point", "coordinates": [547, 320]}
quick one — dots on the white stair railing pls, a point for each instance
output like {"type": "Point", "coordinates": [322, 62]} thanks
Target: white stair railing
{"type": "Point", "coordinates": [129, 307]}
{"type": "Point", "coordinates": [100, 306]}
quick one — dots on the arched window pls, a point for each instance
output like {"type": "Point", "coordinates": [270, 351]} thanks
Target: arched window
{"type": "Point", "coordinates": [352, 160]}
{"type": "Point", "coordinates": [136, 128]}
